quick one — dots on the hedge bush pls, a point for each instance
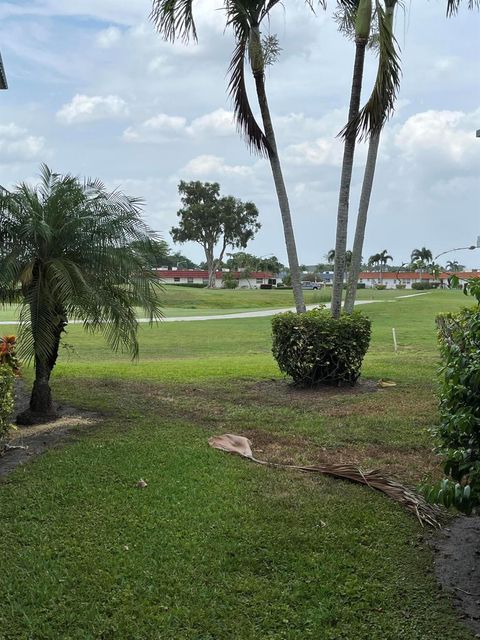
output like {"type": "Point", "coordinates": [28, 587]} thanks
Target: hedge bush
{"type": "Point", "coordinates": [459, 429]}
{"type": "Point", "coordinates": [314, 348]}
{"type": "Point", "coordinates": [191, 285]}
{"type": "Point", "coordinates": [380, 287]}
{"type": "Point", "coordinates": [421, 286]}
{"type": "Point", "coordinates": [400, 286]}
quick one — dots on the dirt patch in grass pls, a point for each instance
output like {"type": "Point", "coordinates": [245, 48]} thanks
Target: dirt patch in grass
{"type": "Point", "coordinates": [408, 464]}
{"type": "Point", "coordinates": [457, 566]}
{"type": "Point", "coordinates": [26, 442]}
{"type": "Point", "coordinates": [284, 392]}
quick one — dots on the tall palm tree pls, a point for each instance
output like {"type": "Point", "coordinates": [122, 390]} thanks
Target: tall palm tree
{"type": "Point", "coordinates": [174, 18]}
{"type": "Point", "coordinates": [372, 119]}
{"type": "Point", "coordinates": [386, 86]}
{"type": "Point", "coordinates": [72, 250]}
{"type": "Point", "coordinates": [363, 16]}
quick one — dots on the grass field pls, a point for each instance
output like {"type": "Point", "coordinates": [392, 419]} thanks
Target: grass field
{"type": "Point", "coordinates": [184, 301]}
{"type": "Point", "coordinates": [216, 548]}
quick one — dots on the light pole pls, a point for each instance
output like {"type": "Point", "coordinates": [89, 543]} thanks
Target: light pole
{"type": "Point", "coordinates": [470, 248]}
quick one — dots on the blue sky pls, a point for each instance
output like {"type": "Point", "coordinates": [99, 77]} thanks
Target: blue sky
{"type": "Point", "coordinates": [93, 90]}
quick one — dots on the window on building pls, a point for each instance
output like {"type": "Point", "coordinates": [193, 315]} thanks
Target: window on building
{"type": "Point", "coordinates": [259, 280]}
{"type": "Point", "coordinates": [176, 279]}
{"type": "Point", "coordinates": [190, 280]}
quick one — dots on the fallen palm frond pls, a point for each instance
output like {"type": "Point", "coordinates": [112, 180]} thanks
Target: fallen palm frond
{"type": "Point", "coordinates": [426, 513]}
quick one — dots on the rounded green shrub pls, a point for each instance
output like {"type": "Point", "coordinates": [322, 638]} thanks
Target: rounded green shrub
{"type": "Point", "coordinates": [314, 348]}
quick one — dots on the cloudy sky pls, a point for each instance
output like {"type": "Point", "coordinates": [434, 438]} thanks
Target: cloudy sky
{"type": "Point", "coordinates": [93, 90]}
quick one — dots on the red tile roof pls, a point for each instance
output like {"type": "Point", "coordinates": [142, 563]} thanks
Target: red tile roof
{"type": "Point", "coordinates": [167, 274]}
{"type": "Point", "coordinates": [413, 275]}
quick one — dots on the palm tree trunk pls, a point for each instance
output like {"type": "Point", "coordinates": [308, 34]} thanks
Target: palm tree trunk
{"type": "Point", "coordinates": [41, 407]}
{"type": "Point", "coordinates": [361, 222]}
{"type": "Point", "coordinates": [365, 198]}
{"type": "Point", "coordinates": [346, 179]}
{"type": "Point", "coordinates": [258, 74]}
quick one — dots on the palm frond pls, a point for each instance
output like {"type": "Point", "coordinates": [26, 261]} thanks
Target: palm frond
{"type": "Point", "coordinates": [375, 479]}
{"type": "Point", "coordinates": [454, 5]}
{"type": "Point", "coordinates": [174, 18]}
{"type": "Point", "coordinates": [246, 121]}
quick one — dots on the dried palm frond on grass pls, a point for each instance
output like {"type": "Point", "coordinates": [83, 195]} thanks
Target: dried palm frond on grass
{"type": "Point", "coordinates": [426, 513]}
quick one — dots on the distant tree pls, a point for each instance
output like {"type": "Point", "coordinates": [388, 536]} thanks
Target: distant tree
{"type": "Point", "coordinates": [380, 260]}
{"type": "Point", "coordinates": [423, 255]}
{"type": "Point", "coordinates": [161, 256]}
{"type": "Point", "coordinates": [453, 265]}
{"type": "Point", "coordinates": [242, 260]}
{"type": "Point", "coordinates": [211, 220]}
{"type": "Point", "coordinates": [70, 249]}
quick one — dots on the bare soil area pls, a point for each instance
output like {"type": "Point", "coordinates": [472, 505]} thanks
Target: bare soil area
{"type": "Point", "coordinates": [25, 442]}
{"type": "Point", "coordinates": [457, 566]}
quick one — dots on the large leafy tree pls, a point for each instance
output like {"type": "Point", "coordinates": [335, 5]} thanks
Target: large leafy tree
{"type": "Point", "coordinates": [174, 18]}
{"type": "Point", "coordinates": [71, 250]}
{"type": "Point", "coordinates": [211, 221]}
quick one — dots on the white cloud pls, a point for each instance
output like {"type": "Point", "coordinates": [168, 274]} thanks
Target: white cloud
{"type": "Point", "coordinates": [216, 123]}
{"type": "Point", "coordinates": [441, 136]}
{"type": "Point", "coordinates": [322, 151]}
{"type": "Point", "coordinates": [84, 108]}
{"type": "Point", "coordinates": [108, 37]}
{"type": "Point", "coordinates": [162, 127]}
{"type": "Point", "coordinates": [17, 144]}
{"type": "Point", "coordinates": [210, 166]}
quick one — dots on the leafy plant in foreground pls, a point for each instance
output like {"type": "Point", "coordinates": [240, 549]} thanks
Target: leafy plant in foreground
{"type": "Point", "coordinates": [459, 429]}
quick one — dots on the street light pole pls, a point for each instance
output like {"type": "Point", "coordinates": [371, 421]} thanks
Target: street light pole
{"type": "Point", "coordinates": [470, 248]}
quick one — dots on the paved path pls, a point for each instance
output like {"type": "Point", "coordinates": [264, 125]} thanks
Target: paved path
{"type": "Point", "coordinates": [243, 314]}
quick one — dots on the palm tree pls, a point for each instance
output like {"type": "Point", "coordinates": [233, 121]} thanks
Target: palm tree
{"type": "Point", "coordinates": [372, 119]}
{"type": "Point", "coordinates": [363, 16]}
{"type": "Point", "coordinates": [69, 249]}
{"type": "Point", "coordinates": [174, 18]}
{"type": "Point", "coordinates": [423, 255]}
{"type": "Point", "coordinates": [381, 260]}
{"type": "Point", "coordinates": [453, 265]}
{"type": "Point", "coordinates": [386, 86]}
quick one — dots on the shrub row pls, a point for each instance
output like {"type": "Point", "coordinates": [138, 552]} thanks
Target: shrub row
{"type": "Point", "coordinates": [314, 348]}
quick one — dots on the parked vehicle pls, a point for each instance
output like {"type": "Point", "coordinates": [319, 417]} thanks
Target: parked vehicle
{"type": "Point", "coordinates": [311, 285]}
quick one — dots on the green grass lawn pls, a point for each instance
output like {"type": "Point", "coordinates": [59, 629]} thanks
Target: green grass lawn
{"type": "Point", "coordinates": [217, 548]}
{"type": "Point", "coordinates": [184, 301]}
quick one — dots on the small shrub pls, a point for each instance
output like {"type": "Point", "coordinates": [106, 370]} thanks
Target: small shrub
{"type": "Point", "coordinates": [9, 368]}
{"type": "Point", "coordinates": [192, 285]}
{"type": "Point", "coordinates": [266, 286]}
{"type": "Point", "coordinates": [314, 348]}
{"type": "Point", "coordinates": [400, 286]}
{"type": "Point", "coordinates": [228, 281]}
{"type": "Point", "coordinates": [421, 286]}
{"type": "Point", "coordinates": [361, 285]}
{"type": "Point", "coordinates": [7, 378]}
{"type": "Point", "coordinates": [459, 429]}
{"type": "Point", "coordinates": [380, 287]}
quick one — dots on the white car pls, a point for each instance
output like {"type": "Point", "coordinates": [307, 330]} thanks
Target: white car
{"type": "Point", "coordinates": [311, 285]}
